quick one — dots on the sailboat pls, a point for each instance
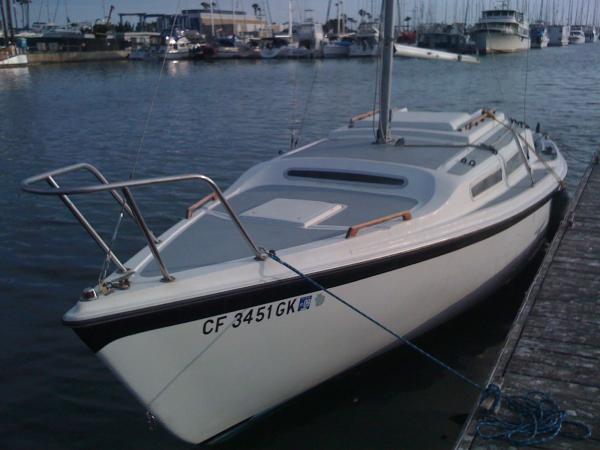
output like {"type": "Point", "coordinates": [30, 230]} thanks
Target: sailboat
{"type": "Point", "coordinates": [338, 44]}
{"type": "Point", "coordinates": [282, 45]}
{"type": "Point", "coordinates": [366, 40]}
{"type": "Point", "coordinates": [207, 327]}
{"type": "Point", "coordinates": [11, 55]}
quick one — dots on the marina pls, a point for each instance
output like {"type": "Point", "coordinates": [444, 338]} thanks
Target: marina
{"type": "Point", "coordinates": [314, 213]}
{"type": "Point", "coordinates": [213, 34]}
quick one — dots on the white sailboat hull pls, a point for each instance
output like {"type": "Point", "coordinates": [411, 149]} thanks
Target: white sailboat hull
{"type": "Point", "coordinates": [205, 376]}
{"type": "Point", "coordinates": [410, 51]}
{"type": "Point", "coordinates": [177, 56]}
{"type": "Point", "coordinates": [492, 42]}
{"type": "Point", "coordinates": [335, 51]}
{"type": "Point", "coordinates": [273, 53]}
{"type": "Point", "coordinates": [13, 61]}
{"type": "Point", "coordinates": [358, 50]}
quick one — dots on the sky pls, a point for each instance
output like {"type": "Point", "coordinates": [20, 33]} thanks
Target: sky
{"type": "Point", "coordinates": [90, 10]}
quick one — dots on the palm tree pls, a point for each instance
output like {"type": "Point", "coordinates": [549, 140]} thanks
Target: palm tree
{"type": "Point", "coordinates": [256, 8]}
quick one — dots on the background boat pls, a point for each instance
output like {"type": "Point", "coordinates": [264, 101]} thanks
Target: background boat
{"type": "Point", "coordinates": [501, 31]}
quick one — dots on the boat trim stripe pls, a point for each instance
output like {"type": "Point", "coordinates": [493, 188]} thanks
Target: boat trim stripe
{"type": "Point", "coordinates": [99, 332]}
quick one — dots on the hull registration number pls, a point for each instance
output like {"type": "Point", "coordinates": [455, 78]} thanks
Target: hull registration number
{"type": "Point", "coordinates": [261, 313]}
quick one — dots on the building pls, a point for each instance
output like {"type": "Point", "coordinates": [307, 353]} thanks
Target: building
{"type": "Point", "coordinates": [222, 22]}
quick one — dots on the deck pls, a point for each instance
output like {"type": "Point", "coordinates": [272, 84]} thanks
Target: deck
{"type": "Point", "coordinates": [554, 343]}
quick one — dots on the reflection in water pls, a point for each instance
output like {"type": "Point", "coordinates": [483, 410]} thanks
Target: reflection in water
{"type": "Point", "coordinates": [14, 78]}
{"type": "Point", "coordinates": [220, 118]}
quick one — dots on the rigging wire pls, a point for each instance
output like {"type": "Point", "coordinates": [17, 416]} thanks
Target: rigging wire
{"type": "Point", "coordinates": [293, 136]}
{"type": "Point", "coordinates": [107, 260]}
{"type": "Point", "coordinates": [297, 120]}
{"type": "Point", "coordinates": [316, 67]}
{"type": "Point", "coordinates": [525, 88]}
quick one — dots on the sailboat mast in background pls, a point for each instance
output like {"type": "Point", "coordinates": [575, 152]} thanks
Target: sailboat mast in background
{"type": "Point", "coordinates": [383, 134]}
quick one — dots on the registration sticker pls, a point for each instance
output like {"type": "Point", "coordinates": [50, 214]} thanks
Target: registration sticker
{"type": "Point", "coordinates": [304, 302]}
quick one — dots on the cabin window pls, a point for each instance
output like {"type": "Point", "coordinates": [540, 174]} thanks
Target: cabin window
{"type": "Point", "coordinates": [514, 163]}
{"type": "Point", "coordinates": [491, 180]}
{"type": "Point", "coordinates": [346, 176]}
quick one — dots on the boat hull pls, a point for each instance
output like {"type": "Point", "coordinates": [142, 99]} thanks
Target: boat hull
{"type": "Point", "coordinates": [14, 61]}
{"type": "Point", "coordinates": [492, 42]}
{"type": "Point", "coordinates": [363, 50]}
{"type": "Point", "coordinates": [559, 35]}
{"type": "Point", "coordinates": [205, 375]}
{"type": "Point", "coordinates": [540, 42]}
{"type": "Point", "coordinates": [274, 53]}
{"type": "Point", "coordinates": [576, 40]}
{"type": "Point", "coordinates": [335, 51]}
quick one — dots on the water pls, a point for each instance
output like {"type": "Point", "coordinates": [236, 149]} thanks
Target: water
{"type": "Point", "coordinates": [220, 119]}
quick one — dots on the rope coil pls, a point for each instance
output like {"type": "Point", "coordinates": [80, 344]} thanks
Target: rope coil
{"type": "Point", "coordinates": [529, 419]}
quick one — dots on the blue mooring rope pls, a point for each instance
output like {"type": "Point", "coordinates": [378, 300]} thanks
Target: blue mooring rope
{"type": "Point", "coordinates": [530, 419]}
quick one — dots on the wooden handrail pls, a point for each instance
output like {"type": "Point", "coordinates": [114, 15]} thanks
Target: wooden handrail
{"type": "Point", "coordinates": [199, 204]}
{"type": "Point", "coordinates": [363, 116]}
{"type": "Point", "coordinates": [354, 230]}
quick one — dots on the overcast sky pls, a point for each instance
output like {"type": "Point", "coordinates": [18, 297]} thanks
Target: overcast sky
{"type": "Point", "coordinates": [90, 10]}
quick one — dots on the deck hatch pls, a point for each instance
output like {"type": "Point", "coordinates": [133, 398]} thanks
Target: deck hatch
{"type": "Point", "coordinates": [346, 176]}
{"type": "Point", "coordinates": [303, 212]}
{"type": "Point", "coordinates": [485, 184]}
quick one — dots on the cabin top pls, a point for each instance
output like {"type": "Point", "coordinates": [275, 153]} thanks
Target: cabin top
{"type": "Point", "coordinates": [502, 14]}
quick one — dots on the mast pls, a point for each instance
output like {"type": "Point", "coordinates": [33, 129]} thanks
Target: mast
{"type": "Point", "coordinates": [233, 18]}
{"type": "Point", "coordinates": [290, 21]}
{"type": "Point", "coordinates": [9, 18]}
{"type": "Point", "coordinates": [5, 8]}
{"type": "Point", "coordinates": [383, 133]}
{"type": "Point", "coordinates": [328, 11]}
{"type": "Point", "coordinates": [337, 6]}
{"type": "Point", "coordinates": [3, 18]}
{"type": "Point", "coordinates": [212, 20]}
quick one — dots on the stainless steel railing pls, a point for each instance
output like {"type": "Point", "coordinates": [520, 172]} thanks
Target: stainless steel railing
{"type": "Point", "coordinates": [127, 202]}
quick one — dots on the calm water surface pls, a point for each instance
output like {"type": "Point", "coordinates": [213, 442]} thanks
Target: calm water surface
{"type": "Point", "coordinates": [220, 119]}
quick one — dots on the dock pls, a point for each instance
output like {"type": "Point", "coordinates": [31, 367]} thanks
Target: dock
{"type": "Point", "coordinates": [554, 343]}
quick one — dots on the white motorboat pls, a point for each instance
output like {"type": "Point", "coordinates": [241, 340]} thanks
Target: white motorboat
{"type": "Point", "coordinates": [366, 41]}
{"type": "Point", "coordinates": [501, 31]}
{"type": "Point", "coordinates": [310, 39]}
{"type": "Point", "coordinates": [538, 33]}
{"type": "Point", "coordinates": [208, 331]}
{"type": "Point", "coordinates": [178, 48]}
{"type": "Point", "coordinates": [559, 35]}
{"type": "Point", "coordinates": [577, 36]}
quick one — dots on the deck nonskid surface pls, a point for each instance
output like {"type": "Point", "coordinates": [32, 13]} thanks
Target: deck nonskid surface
{"type": "Point", "coordinates": [213, 238]}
